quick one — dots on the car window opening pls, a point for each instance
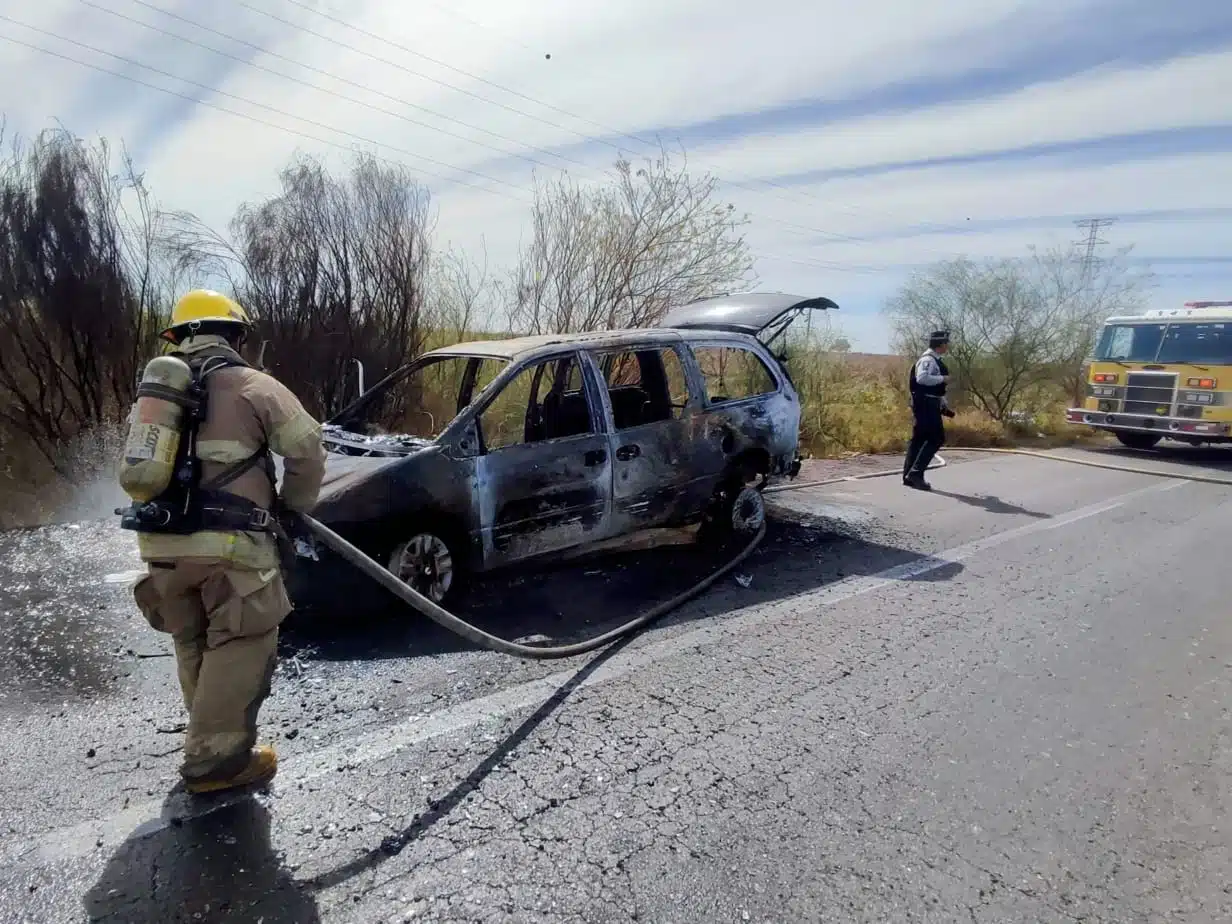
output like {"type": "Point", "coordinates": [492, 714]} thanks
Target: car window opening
{"type": "Point", "coordinates": [417, 404]}
{"type": "Point", "coordinates": [644, 386]}
{"type": "Point", "coordinates": [733, 373]}
{"type": "Point", "coordinates": [545, 401]}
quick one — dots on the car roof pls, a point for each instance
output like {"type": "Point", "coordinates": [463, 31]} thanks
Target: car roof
{"type": "Point", "coordinates": [517, 348]}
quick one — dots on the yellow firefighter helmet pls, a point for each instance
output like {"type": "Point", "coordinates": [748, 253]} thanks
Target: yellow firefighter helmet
{"type": "Point", "coordinates": [203, 309]}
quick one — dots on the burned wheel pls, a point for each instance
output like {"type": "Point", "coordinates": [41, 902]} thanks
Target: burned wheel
{"type": "Point", "coordinates": [737, 510]}
{"type": "Point", "coordinates": [748, 511]}
{"type": "Point", "coordinates": [427, 563]}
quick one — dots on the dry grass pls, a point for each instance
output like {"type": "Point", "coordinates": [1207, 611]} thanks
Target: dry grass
{"type": "Point", "coordinates": [857, 403]}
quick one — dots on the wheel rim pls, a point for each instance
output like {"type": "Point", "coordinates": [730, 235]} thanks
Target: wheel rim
{"type": "Point", "coordinates": [748, 510]}
{"type": "Point", "coordinates": [425, 564]}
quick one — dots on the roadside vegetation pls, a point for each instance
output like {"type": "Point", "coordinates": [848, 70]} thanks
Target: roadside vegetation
{"type": "Point", "coordinates": [344, 265]}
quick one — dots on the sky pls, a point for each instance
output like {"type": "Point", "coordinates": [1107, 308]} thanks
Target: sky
{"type": "Point", "coordinates": [864, 141]}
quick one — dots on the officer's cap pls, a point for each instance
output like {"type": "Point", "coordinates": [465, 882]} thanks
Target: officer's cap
{"type": "Point", "coordinates": [939, 337]}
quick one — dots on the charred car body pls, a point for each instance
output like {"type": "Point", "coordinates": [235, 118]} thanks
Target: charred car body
{"type": "Point", "coordinates": [482, 455]}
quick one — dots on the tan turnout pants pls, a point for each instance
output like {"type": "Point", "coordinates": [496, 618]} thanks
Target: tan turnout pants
{"type": "Point", "coordinates": [224, 621]}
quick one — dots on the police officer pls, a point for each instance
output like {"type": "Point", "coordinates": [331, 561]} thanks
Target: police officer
{"type": "Point", "coordinates": [218, 591]}
{"type": "Point", "coordinates": [928, 381]}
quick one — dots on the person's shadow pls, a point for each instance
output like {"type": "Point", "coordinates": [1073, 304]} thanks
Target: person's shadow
{"type": "Point", "coordinates": [216, 867]}
{"type": "Point", "coordinates": [992, 504]}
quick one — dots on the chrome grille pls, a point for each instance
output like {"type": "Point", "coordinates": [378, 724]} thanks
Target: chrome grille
{"type": "Point", "coordinates": [1148, 392]}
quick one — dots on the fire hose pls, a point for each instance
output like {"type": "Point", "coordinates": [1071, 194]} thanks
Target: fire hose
{"type": "Point", "coordinates": [471, 633]}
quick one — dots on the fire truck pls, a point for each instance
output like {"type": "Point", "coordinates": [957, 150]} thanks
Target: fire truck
{"type": "Point", "coordinates": [1163, 374]}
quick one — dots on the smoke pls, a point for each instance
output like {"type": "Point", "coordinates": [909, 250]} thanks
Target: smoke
{"type": "Point", "coordinates": [94, 492]}
{"type": "Point", "coordinates": [35, 496]}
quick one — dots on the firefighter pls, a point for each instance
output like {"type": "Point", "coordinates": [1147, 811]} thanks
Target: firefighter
{"type": "Point", "coordinates": [205, 517]}
{"type": "Point", "coordinates": [927, 384]}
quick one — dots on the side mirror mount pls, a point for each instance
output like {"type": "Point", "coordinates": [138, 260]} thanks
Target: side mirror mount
{"type": "Point", "coordinates": [466, 446]}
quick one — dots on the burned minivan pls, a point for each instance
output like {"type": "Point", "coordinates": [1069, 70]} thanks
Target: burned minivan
{"type": "Point", "coordinates": [486, 454]}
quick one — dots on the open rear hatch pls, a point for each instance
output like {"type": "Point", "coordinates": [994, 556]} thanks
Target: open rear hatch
{"type": "Point", "coordinates": [764, 315]}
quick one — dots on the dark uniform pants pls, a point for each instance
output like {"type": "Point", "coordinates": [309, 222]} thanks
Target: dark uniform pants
{"type": "Point", "coordinates": [927, 436]}
{"type": "Point", "coordinates": [224, 621]}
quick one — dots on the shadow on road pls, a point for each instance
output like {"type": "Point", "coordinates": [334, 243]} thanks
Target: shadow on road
{"type": "Point", "coordinates": [575, 601]}
{"type": "Point", "coordinates": [394, 844]}
{"type": "Point", "coordinates": [1212, 458]}
{"type": "Point", "coordinates": [992, 504]}
{"type": "Point", "coordinates": [945, 572]}
{"type": "Point", "coordinates": [216, 867]}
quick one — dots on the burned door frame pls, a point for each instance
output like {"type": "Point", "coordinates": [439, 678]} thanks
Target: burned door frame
{"type": "Point", "coordinates": [535, 498]}
{"type": "Point", "coordinates": [659, 472]}
{"type": "Point", "coordinates": [730, 427]}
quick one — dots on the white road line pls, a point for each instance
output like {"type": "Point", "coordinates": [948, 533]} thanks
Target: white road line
{"type": "Point", "coordinates": [80, 840]}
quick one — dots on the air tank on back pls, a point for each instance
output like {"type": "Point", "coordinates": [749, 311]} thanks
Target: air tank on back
{"type": "Point", "coordinates": [155, 428]}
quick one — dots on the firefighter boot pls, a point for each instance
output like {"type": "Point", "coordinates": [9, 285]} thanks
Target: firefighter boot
{"type": "Point", "coordinates": [261, 767]}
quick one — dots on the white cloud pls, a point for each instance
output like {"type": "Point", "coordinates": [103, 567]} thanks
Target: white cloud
{"type": "Point", "coordinates": [947, 197]}
{"type": "Point", "coordinates": [1181, 93]}
{"type": "Point", "coordinates": [632, 66]}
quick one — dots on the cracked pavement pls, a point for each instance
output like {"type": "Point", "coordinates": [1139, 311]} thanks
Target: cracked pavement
{"type": "Point", "coordinates": [1005, 701]}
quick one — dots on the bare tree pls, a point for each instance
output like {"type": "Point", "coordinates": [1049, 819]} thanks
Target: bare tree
{"type": "Point", "coordinates": [334, 269]}
{"type": "Point", "coordinates": [80, 290]}
{"type": "Point", "coordinates": [1090, 291]}
{"type": "Point", "coordinates": [461, 296]}
{"type": "Point", "coordinates": [1015, 324]}
{"type": "Point", "coordinates": [621, 254]}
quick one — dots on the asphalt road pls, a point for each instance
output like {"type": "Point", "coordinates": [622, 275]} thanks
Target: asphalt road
{"type": "Point", "coordinates": [1004, 701]}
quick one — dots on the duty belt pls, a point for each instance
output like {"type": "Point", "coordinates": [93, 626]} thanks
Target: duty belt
{"type": "Point", "coordinates": [226, 512]}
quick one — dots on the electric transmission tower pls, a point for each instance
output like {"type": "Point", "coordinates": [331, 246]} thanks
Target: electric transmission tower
{"type": "Point", "coordinates": [1092, 227]}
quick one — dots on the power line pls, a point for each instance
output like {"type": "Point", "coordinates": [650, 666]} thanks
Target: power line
{"type": "Point", "coordinates": [406, 49]}
{"type": "Point", "coordinates": [310, 137]}
{"type": "Point", "coordinates": [402, 67]}
{"type": "Point", "coordinates": [241, 115]}
{"type": "Point", "coordinates": [798, 229]}
{"type": "Point", "coordinates": [457, 70]}
{"type": "Point", "coordinates": [458, 14]}
{"type": "Point", "coordinates": [329, 75]}
{"type": "Point", "coordinates": [827, 265]}
{"type": "Point", "coordinates": [313, 122]}
{"type": "Point", "coordinates": [1091, 225]}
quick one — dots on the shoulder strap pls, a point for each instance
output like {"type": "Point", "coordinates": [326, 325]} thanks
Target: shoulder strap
{"type": "Point", "coordinates": [203, 364]}
{"type": "Point", "coordinates": [237, 470]}
{"type": "Point", "coordinates": [216, 358]}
